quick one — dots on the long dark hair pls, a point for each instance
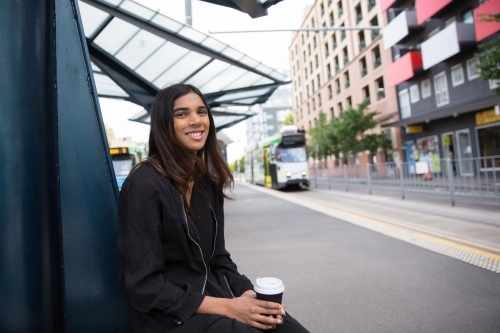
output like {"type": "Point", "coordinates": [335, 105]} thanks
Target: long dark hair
{"type": "Point", "coordinates": [169, 157]}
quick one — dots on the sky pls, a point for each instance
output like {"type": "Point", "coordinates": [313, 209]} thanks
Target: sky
{"type": "Point", "coordinates": [270, 48]}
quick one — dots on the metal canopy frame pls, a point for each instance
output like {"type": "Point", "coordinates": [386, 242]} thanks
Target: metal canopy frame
{"type": "Point", "coordinates": [224, 72]}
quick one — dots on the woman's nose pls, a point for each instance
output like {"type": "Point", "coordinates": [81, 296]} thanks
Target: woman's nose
{"type": "Point", "coordinates": [194, 119]}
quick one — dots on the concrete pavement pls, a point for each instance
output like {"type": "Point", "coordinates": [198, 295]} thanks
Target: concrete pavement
{"type": "Point", "coordinates": [355, 264]}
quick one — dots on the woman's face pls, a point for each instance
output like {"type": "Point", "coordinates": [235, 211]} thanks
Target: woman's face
{"type": "Point", "coordinates": [191, 121]}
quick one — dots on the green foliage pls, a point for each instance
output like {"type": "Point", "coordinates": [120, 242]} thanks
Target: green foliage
{"type": "Point", "coordinates": [233, 166]}
{"type": "Point", "coordinates": [489, 63]}
{"type": "Point", "coordinates": [347, 134]}
{"type": "Point", "coordinates": [288, 119]}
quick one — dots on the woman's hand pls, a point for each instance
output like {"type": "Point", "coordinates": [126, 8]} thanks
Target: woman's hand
{"type": "Point", "coordinates": [256, 313]}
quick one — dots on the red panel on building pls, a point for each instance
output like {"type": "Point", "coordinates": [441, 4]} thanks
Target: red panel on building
{"type": "Point", "coordinates": [486, 29]}
{"type": "Point", "coordinates": [403, 69]}
{"type": "Point", "coordinates": [427, 8]}
{"type": "Point", "coordinates": [385, 4]}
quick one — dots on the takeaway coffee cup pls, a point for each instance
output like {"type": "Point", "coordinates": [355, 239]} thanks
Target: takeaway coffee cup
{"type": "Point", "coordinates": [269, 289]}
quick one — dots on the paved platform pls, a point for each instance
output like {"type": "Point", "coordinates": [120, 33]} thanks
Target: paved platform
{"type": "Point", "coordinates": [370, 264]}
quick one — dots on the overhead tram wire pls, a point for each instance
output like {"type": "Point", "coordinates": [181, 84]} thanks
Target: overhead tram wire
{"type": "Point", "coordinates": [319, 29]}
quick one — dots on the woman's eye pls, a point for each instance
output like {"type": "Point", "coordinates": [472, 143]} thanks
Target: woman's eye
{"type": "Point", "coordinates": [203, 112]}
{"type": "Point", "coordinates": [180, 114]}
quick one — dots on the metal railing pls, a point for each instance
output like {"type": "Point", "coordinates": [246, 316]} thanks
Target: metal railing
{"type": "Point", "coordinates": [460, 181]}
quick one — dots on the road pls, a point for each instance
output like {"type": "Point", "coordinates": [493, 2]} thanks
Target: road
{"type": "Point", "coordinates": [343, 277]}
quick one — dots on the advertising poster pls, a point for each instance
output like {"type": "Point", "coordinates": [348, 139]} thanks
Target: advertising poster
{"type": "Point", "coordinates": [428, 151]}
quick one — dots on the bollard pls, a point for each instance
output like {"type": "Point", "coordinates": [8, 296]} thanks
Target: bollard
{"type": "Point", "coordinates": [494, 178]}
{"type": "Point", "coordinates": [345, 179]}
{"type": "Point", "coordinates": [402, 181]}
{"type": "Point", "coordinates": [328, 175]}
{"type": "Point", "coordinates": [449, 170]}
{"type": "Point", "coordinates": [369, 178]}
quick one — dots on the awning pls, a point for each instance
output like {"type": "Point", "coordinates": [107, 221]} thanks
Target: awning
{"type": "Point", "coordinates": [136, 51]}
{"type": "Point", "coordinates": [475, 105]}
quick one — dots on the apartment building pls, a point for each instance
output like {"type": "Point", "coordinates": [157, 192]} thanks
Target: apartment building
{"type": "Point", "coordinates": [446, 109]}
{"type": "Point", "coordinates": [336, 69]}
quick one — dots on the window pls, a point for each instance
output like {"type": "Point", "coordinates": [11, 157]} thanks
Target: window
{"type": "Point", "coordinates": [314, 42]}
{"type": "Point", "coordinates": [362, 66]}
{"type": "Point", "coordinates": [330, 92]}
{"type": "Point", "coordinates": [340, 8]}
{"type": "Point", "coordinates": [312, 22]}
{"type": "Point", "coordinates": [308, 108]}
{"type": "Point", "coordinates": [366, 94]}
{"type": "Point", "coordinates": [347, 82]}
{"type": "Point", "coordinates": [327, 50]}
{"type": "Point", "coordinates": [310, 67]}
{"type": "Point", "coordinates": [307, 89]}
{"type": "Point", "coordinates": [441, 89]}
{"type": "Point", "coordinates": [494, 84]}
{"type": "Point", "coordinates": [375, 32]}
{"type": "Point", "coordinates": [457, 75]}
{"type": "Point", "coordinates": [319, 100]}
{"type": "Point", "coordinates": [379, 83]}
{"type": "Point", "coordinates": [404, 103]}
{"type": "Point", "coordinates": [467, 17]}
{"type": "Point", "coordinates": [349, 102]}
{"type": "Point", "coordinates": [314, 104]}
{"type": "Point", "coordinates": [322, 9]}
{"type": "Point", "coordinates": [309, 49]}
{"type": "Point", "coordinates": [337, 86]}
{"type": "Point", "coordinates": [328, 71]}
{"type": "Point", "coordinates": [488, 137]}
{"type": "Point", "coordinates": [340, 108]}
{"type": "Point", "coordinates": [414, 94]}
{"type": "Point", "coordinates": [302, 39]}
{"type": "Point", "coordinates": [346, 55]}
{"type": "Point", "coordinates": [371, 4]}
{"type": "Point", "coordinates": [377, 60]}
{"type": "Point", "coordinates": [359, 14]}
{"type": "Point", "coordinates": [337, 65]}
{"type": "Point", "coordinates": [312, 86]}
{"type": "Point", "coordinates": [332, 21]}
{"type": "Point", "coordinates": [316, 62]}
{"type": "Point", "coordinates": [425, 87]}
{"type": "Point", "coordinates": [342, 32]}
{"type": "Point", "coordinates": [472, 70]}
{"type": "Point", "coordinates": [334, 41]}
{"type": "Point", "coordinates": [332, 114]}
{"type": "Point", "coordinates": [319, 81]}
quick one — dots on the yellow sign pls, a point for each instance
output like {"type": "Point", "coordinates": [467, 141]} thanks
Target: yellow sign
{"type": "Point", "coordinates": [414, 129]}
{"type": "Point", "coordinates": [487, 117]}
{"type": "Point", "coordinates": [117, 151]}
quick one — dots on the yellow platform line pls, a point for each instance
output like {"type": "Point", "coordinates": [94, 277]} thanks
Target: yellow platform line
{"type": "Point", "coordinates": [420, 232]}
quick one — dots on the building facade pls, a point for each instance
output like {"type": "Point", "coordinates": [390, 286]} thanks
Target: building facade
{"type": "Point", "coordinates": [446, 109]}
{"type": "Point", "coordinates": [334, 70]}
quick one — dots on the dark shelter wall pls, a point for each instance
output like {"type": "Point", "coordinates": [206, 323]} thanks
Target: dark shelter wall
{"type": "Point", "coordinates": [58, 253]}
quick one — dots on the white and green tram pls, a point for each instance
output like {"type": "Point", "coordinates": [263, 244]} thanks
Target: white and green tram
{"type": "Point", "coordinates": [279, 161]}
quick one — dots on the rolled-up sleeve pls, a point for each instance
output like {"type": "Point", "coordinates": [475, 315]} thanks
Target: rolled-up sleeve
{"type": "Point", "coordinates": [140, 245]}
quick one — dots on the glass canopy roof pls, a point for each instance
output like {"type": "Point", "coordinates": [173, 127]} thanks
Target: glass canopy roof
{"type": "Point", "coordinates": [136, 51]}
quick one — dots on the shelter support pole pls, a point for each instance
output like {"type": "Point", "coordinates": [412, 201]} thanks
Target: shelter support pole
{"type": "Point", "coordinates": [58, 230]}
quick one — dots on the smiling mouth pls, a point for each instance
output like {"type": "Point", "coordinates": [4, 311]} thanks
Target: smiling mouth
{"type": "Point", "coordinates": [194, 134]}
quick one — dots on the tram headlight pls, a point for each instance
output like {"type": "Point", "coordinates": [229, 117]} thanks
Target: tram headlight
{"type": "Point", "coordinates": [304, 173]}
{"type": "Point", "coordinates": [288, 174]}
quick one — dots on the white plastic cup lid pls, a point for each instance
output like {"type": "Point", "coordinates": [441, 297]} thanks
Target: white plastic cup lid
{"type": "Point", "coordinates": [269, 286]}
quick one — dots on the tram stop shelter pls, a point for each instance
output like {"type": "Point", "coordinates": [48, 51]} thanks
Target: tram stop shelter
{"type": "Point", "coordinates": [58, 231]}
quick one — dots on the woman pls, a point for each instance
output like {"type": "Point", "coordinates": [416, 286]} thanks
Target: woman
{"type": "Point", "coordinates": [178, 276]}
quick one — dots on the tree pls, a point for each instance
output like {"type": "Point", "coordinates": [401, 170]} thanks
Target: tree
{"type": "Point", "coordinates": [347, 134]}
{"type": "Point", "coordinates": [489, 63]}
{"type": "Point", "coordinates": [288, 119]}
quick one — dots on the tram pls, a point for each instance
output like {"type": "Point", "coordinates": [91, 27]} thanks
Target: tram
{"type": "Point", "coordinates": [279, 161]}
{"type": "Point", "coordinates": [124, 159]}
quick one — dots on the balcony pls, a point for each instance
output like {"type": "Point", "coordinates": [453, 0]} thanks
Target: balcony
{"type": "Point", "coordinates": [428, 8]}
{"type": "Point", "coordinates": [399, 28]}
{"type": "Point", "coordinates": [447, 43]}
{"type": "Point", "coordinates": [404, 68]}
{"type": "Point", "coordinates": [486, 29]}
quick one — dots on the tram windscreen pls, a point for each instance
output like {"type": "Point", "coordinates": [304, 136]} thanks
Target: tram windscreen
{"type": "Point", "coordinates": [292, 154]}
{"type": "Point", "coordinates": [123, 167]}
